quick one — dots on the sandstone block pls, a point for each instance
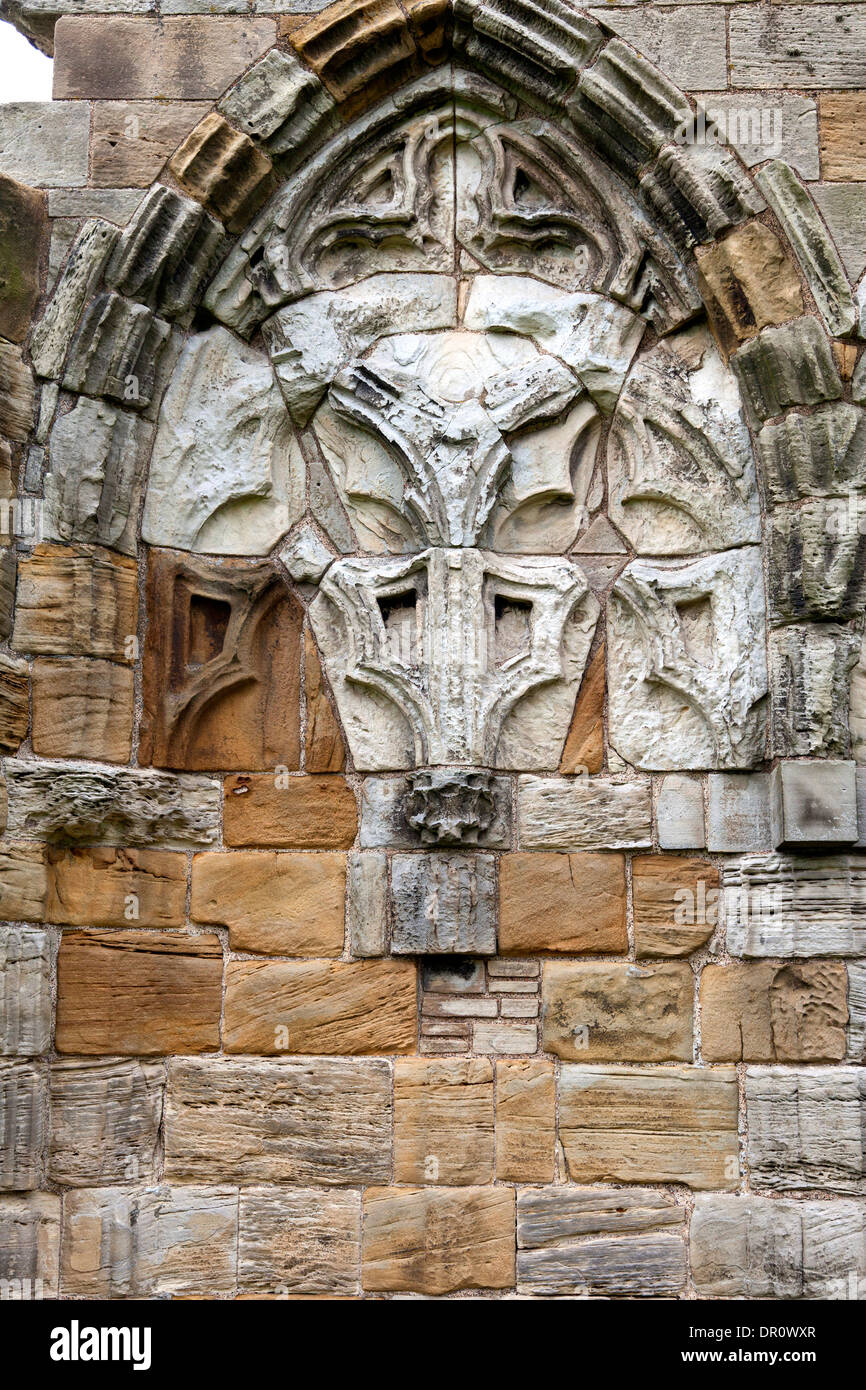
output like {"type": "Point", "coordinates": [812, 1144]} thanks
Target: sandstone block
{"type": "Point", "coordinates": [169, 1242]}
{"type": "Point", "coordinates": [105, 887]}
{"type": "Point", "coordinates": [224, 170]}
{"type": "Point", "coordinates": [17, 395]}
{"type": "Point", "coordinates": [190, 58]}
{"type": "Point", "coordinates": [118, 352]}
{"type": "Point", "coordinates": [807, 1127]}
{"type": "Point", "coordinates": [670, 1124]}
{"type": "Point", "coordinates": [320, 1007]}
{"type": "Point", "coordinates": [583, 813]}
{"type": "Point", "coordinates": [436, 1240]}
{"type": "Point", "coordinates": [750, 283]}
{"type": "Point", "coordinates": [23, 883]}
{"type": "Point", "coordinates": [82, 709]}
{"type": "Point", "coordinates": [676, 903]}
{"type": "Point", "coordinates": [739, 816]}
{"type": "Point", "coordinates": [105, 1119]}
{"type": "Point", "coordinates": [167, 253]}
{"type": "Point", "coordinates": [367, 902]}
{"type": "Point", "coordinates": [30, 1245]}
{"type": "Point", "coordinates": [786, 365]}
{"type": "Point", "coordinates": [801, 53]}
{"type": "Point", "coordinates": [583, 750]}
{"type": "Point", "coordinates": [279, 102]}
{"type": "Point", "coordinates": [582, 1241]}
{"type": "Point", "coordinates": [597, 1012]}
{"type": "Point", "coordinates": [23, 1109]}
{"type": "Point", "coordinates": [98, 456]}
{"type": "Point", "coordinates": [810, 672]}
{"type": "Point", "coordinates": [443, 1121]}
{"type": "Point", "coordinates": [771, 1013]}
{"type": "Point", "coordinates": [325, 751]}
{"type": "Point", "coordinates": [89, 251]}
{"type": "Point", "coordinates": [525, 1121]}
{"type": "Point", "coordinates": [573, 903]}
{"type": "Point", "coordinates": [843, 152]}
{"type": "Point", "coordinates": [782, 905]}
{"type": "Point", "coordinates": [23, 236]}
{"type": "Point", "coordinates": [313, 812]}
{"type": "Point", "coordinates": [443, 904]}
{"type": "Point", "coordinates": [45, 142]}
{"type": "Point", "coordinates": [305, 1241]}
{"type": "Point", "coordinates": [76, 601]}
{"type": "Point", "coordinates": [277, 904]}
{"type": "Point", "coordinates": [25, 992]}
{"type": "Point", "coordinates": [814, 804]}
{"type": "Point", "coordinates": [132, 140]}
{"type": "Point", "coordinates": [138, 992]}
{"type": "Point", "coordinates": [752, 1247]}
{"type": "Point", "coordinates": [317, 1121]}
{"type": "Point", "coordinates": [680, 813]}
{"type": "Point", "coordinates": [14, 703]}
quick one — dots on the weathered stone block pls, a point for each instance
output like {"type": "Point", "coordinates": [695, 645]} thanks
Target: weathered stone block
{"type": "Point", "coordinates": [435, 1240]}
{"type": "Point", "coordinates": [117, 351]}
{"type": "Point", "coordinates": [813, 247]}
{"type": "Point", "coordinates": [98, 455]}
{"type": "Point", "coordinates": [581, 1241]}
{"type": "Point", "coordinates": [583, 750]}
{"type": "Point", "coordinates": [680, 813]}
{"type": "Point", "coordinates": [802, 52]}
{"type": "Point", "coordinates": [698, 191]}
{"type": "Point", "coordinates": [278, 904]}
{"type": "Point", "coordinates": [14, 703]}
{"type": "Point", "coordinates": [774, 1013]}
{"type": "Point", "coordinates": [322, 1121]}
{"type": "Point", "coordinates": [810, 676]}
{"type": "Point", "coordinates": [449, 806]}
{"type": "Point", "coordinates": [525, 1121]}
{"type": "Point", "coordinates": [443, 904]}
{"type": "Point", "coordinates": [324, 750]}
{"type": "Point", "coordinates": [807, 1128]}
{"type": "Point", "coordinates": [814, 804]}
{"type": "Point", "coordinates": [30, 1245]}
{"type": "Point", "coordinates": [132, 140]}
{"type": "Point", "coordinates": [169, 1242]}
{"type": "Point", "coordinates": [583, 813]}
{"type": "Point", "coordinates": [739, 813]}
{"type": "Point", "coordinates": [575, 903]}
{"type": "Point", "coordinates": [494, 36]}
{"type": "Point", "coordinates": [842, 153]}
{"type": "Point", "coordinates": [335, 1007]}
{"type": "Point", "coordinates": [23, 1111]}
{"type": "Point", "coordinates": [221, 679]}
{"type": "Point", "coordinates": [626, 106]}
{"type": "Point", "coordinates": [25, 992]}
{"type": "Point", "coordinates": [752, 1247]}
{"type": "Point", "coordinates": [106, 887]}
{"type": "Point", "coordinates": [51, 801]}
{"type": "Point", "coordinates": [366, 903]}
{"type": "Point", "coordinates": [17, 397]}
{"type": "Point", "coordinates": [596, 1012]}
{"type": "Point", "coordinates": [305, 1241]}
{"type": "Point", "coordinates": [224, 170]}
{"type": "Point", "coordinates": [821, 454]}
{"type": "Point", "coordinates": [138, 992]}
{"type": "Point", "coordinates": [82, 709]}
{"type": "Point", "coordinates": [670, 1124]}
{"type": "Point", "coordinates": [81, 275]}
{"type": "Point", "coordinates": [23, 237]}
{"type": "Point", "coordinates": [817, 562]}
{"type": "Point", "coordinates": [782, 905]}
{"type": "Point", "coordinates": [314, 812]}
{"type": "Point", "coordinates": [76, 601]}
{"type": "Point", "coordinates": [685, 43]}
{"type": "Point", "coordinates": [23, 883]}
{"type": "Point", "coordinates": [190, 58]}
{"type": "Point", "coordinates": [7, 589]}
{"type": "Point", "coordinates": [787, 365]}
{"type": "Point", "coordinates": [749, 283]}
{"type": "Point", "coordinates": [45, 142]}
{"type": "Point", "coordinates": [676, 903]}
{"type": "Point", "coordinates": [283, 105]}
{"type": "Point", "coordinates": [167, 253]}
{"type": "Point", "coordinates": [443, 1121]}
{"type": "Point", "coordinates": [105, 1120]}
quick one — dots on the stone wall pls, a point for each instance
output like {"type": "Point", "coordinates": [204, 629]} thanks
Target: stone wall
{"type": "Point", "coordinates": [432, 716]}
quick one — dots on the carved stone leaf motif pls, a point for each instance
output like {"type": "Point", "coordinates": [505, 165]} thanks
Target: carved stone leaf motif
{"type": "Point", "coordinates": [687, 670]}
{"type": "Point", "coordinates": [680, 465]}
{"type": "Point", "coordinates": [227, 474]}
{"type": "Point", "coordinates": [431, 658]}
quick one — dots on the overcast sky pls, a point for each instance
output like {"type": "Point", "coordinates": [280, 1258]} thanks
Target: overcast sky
{"type": "Point", "coordinates": [25, 73]}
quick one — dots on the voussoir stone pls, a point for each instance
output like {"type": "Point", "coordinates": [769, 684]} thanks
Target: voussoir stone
{"type": "Point", "coordinates": [598, 1012]}
{"type": "Point", "coordinates": [320, 1007]}
{"type": "Point", "coordinates": [750, 283]}
{"type": "Point", "coordinates": [436, 1240]}
{"type": "Point", "coordinates": [277, 904]}
{"type": "Point", "coordinates": [760, 1012]}
{"type": "Point", "coordinates": [138, 992]}
{"type": "Point", "coordinates": [573, 903]}
{"type": "Point", "coordinates": [324, 1121]}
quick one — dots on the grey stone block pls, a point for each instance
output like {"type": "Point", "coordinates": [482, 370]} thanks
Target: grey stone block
{"type": "Point", "coordinates": [583, 813]}
{"type": "Point", "coordinates": [680, 813]}
{"type": "Point", "coordinates": [814, 803]}
{"type": "Point", "coordinates": [30, 1245]}
{"type": "Point", "coordinates": [688, 44]}
{"type": "Point", "coordinates": [761, 127]}
{"type": "Point", "coordinates": [807, 1128]}
{"type": "Point", "coordinates": [785, 905]}
{"type": "Point", "coordinates": [25, 991]}
{"type": "Point", "coordinates": [739, 812]}
{"type": "Point", "coordinates": [443, 904]}
{"type": "Point", "coordinates": [367, 902]}
{"type": "Point", "coordinates": [45, 143]}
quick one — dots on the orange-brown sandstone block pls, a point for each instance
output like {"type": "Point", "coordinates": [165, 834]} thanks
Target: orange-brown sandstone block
{"type": "Point", "coordinates": [106, 887]}
{"type": "Point", "coordinates": [675, 903]}
{"type": "Point", "coordinates": [748, 282]}
{"type": "Point", "coordinates": [435, 1240]}
{"type": "Point", "coordinates": [132, 140]}
{"type": "Point", "coordinates": [324, 741]}
{"type": "Point", "coordinates": [278, 904]}
{"type": "Point", "coordinates": [326, 1007]}
{"type": "Point", "coordinates": [598, 1012]}
{"type": "Point", "coordinates": [315, 812]}
{"type": "Point", "coordinates": [562, 902]}
{"type": "Point", "coordinates": [843, 135]}
{"type": "Point", "coordinates": [14, 703]}
{"type": "Point", "coordinates": [443, 1121]}
{"type": "Point", "coordinates": [23, 883]}
{"type": "Point", "coordinates": [584, 746]}
{"type": "Point", "coordinates": [357, 44]}
{"type": "Point", "coordinates": [76, 601]}
{"type": "Point", "coordinates": [138, 992]}
{"type": "Point", "coordinates": [82, 709]}
{"type": "Point", "coordinates": [759, 1012]}
{"type": "Point", "coordinates": [525, 1120]}
{"type": "Point", "coordinates": [189, 57]}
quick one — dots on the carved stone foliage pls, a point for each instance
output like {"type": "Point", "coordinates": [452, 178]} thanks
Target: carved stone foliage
{"type": "Point", "coordinates": [455, 656]}
{"type": "Point", "coordinates": [680, 466]}
{"type": "Point", "coordinates": [227, 474]}
{"type": "Point", "coordinates": [449, 806]}
{"type": "Point", "coordinates": [221, 666]}
{"type": "Point", "coordinates": [687, 671]}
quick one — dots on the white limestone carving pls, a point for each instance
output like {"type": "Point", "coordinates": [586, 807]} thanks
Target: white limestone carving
{"type": "Point", "coordinates": [433, 658]}
{"type": "Point", "coordinates": [680, 467]}
{"type": "Point", "coordinates": [227, 474]}
{"type": "Point", "coordinates": [687, 666]}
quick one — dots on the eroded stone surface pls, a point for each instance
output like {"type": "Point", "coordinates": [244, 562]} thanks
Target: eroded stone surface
{"type": "Point", "coordinates": [75, 601]}
{"type": "Point", "coordinates": [806, 1128]}
{"type": "Point", "coordinates": [30, 1243]}
{"type": "Point", "coordinates": [443, 1121]}
{"type": "Point", "coordinates": [25, 991]}
{"type": "Point", "coordinates": [23, 1115]}
{"type": "Point", "coordinates": [93, 488]}
{"type": "Point", "coordinates": [443, 904]}
{"type": "Point", "coordinates": [579, 813]}
{"type": "Point", "coordinates": [525, 1120]}
{"type": "Point", "coordinates": [676, 903]}
{"type": "Point", "coordinates": [105, 1119]}
{"type": "Point", "coordinates": [305, 1241]}
{"type": "Point", "coordinates": [825, 274]}
{"type": "Point", "coordinates": [769, 1013]}
{"type": "Point", "coordinates": [782, 905]}
{"type": "Point", "coordinates": [596, 1012]}
{"type": "Point", "coordinates": [436, 1240]}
